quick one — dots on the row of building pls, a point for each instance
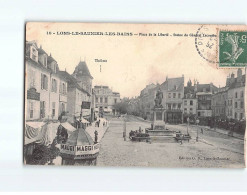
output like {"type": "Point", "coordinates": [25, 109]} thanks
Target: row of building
{"type": "Point", "coordinates": [200, 100]}
{"type": "Point", "coordinates": [51, 92]}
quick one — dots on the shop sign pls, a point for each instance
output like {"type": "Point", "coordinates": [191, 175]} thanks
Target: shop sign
{"type": "Point", "coordinates": [32, 94]}
{"type": "Point", "coordinates": [80, 150]}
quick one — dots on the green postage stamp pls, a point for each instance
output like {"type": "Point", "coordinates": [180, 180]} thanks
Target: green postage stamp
{"type": "Point", "coordinates": [232, 48]}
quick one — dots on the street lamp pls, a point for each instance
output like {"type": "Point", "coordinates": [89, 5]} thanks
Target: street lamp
{"type": "Point", "coordinates": [124, 129]}
{"type": "Point", "coordinates": [188, 123]}
{"type": "Point", "coordinates": [197, 122]}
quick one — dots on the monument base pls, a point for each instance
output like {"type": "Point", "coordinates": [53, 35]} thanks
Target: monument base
{"type": "Point", "coordinates": [167, 136]}
{"type": "Point", "coordinates": [158, 131]}
{"type": "Point", "coordinates": [163, 139]}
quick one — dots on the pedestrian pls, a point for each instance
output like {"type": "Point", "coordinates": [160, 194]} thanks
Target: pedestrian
{"type": "Point", "coordinates": [202, 130]}
{"type": "Point", "coordinates": [95, 136]}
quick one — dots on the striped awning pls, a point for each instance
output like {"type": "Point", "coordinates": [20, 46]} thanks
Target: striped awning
{"type": "Point", "coordinates": [48, 134]}
{"type": "Point", "coordinates": [33, 131]}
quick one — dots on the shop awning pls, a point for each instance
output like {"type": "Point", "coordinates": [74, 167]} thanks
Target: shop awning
{"type": "Point", "coordinates": [33, 131]}
{"type": "Point", "coordinates": [84, 120]}
{"type": "Point", "coordinates": [43, 133]}
{"type": "Point", "coordinates": [68, 126]}
{"type": "Point", "coordinates": [35, 125]}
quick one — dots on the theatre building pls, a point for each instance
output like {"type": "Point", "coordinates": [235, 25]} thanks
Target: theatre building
{"type": "Point", "coordinates": [105, 99]}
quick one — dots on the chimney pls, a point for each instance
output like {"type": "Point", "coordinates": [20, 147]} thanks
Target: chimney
{"type": "Point", "coordinates": [195, 84]}
{"type": "Point", "coordinates": [239, 75]}
{"type": "Point", "coordinates": [232, 79]}
{"type": "Point", "coordinates": [211, 87]}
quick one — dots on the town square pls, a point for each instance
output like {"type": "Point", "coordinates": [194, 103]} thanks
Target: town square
{"type": "Point", "coordinates": [93, 112]}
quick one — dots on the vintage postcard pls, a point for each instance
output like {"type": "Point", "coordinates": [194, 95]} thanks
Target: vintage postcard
{"type": "Point", "coordinates": [142, 95]}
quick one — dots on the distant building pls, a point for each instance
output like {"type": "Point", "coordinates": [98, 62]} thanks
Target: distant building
{"type": "Point", "coordinates": [189, 101]}
{"type": "Point", "coordinates": [219, 103]}
{"type": "Point", "coordinates": [204, 93]}
{"type": "Point", "coordinates": [46, 90]}
{"type": "Point", "coordinates": [235, 96]}
{"type": "Point", "coordinates": [147, 97]}
{"type": "Point", "coordinates": [173, 93]}
{"type": "Point", "coordinates": [76, 95]}
{"type": "Point", "coordinates": [83, 76]}
{"type": "Point", "coordinates": [84, 80]}
{"type": "Point", "coordinates": [105, 99]}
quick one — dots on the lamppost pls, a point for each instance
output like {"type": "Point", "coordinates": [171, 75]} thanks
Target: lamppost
{"type": "Point", "coordinates": [188, 123]}
{"type": "Point", "coordinates": [214, 123]}
{"type": "Point", "coordinates": [197, 122]}
{"type": "Point", "coordinates": [124, 130]}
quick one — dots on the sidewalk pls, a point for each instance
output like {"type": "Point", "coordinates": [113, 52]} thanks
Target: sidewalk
{"type": "Point", "coordinates": [101, 129]}
{"type": "Point", "coordinates": [222, 131]}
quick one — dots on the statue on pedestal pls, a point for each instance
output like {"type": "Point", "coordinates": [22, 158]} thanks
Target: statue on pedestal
{"type": "Point", "coordinates": [158, 99]}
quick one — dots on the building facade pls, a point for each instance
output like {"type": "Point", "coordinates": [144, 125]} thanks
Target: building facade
{"type": "Point", "coordinates": [84, 80]}
{"type": "Point", "coordinates": [147, 97]}
{"type": "Point", "coordinates": [204, 93]}
{"type": "Point", "coordinates": [105, 99]}
{"type": "Point", "coordinates": [46, 90]}
{"type": "Point", "coordinates": [76, 95]}
{"type": "Point", "coordinates": [173, 93]}
{"type": "Point", "coordinates": [235, 96]}
{"type": "Point", "coordinates": [189, 102]}
{"type": "Point", "coordinates": [219, 103]}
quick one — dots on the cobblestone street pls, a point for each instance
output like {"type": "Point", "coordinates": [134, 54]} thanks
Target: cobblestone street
{"type": "Point", "coordinates": [212, 150]}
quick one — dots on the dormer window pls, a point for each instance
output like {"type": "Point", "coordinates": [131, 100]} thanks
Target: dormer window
{"type": "Point", "coordinates": [45, 60]}
{"type": "Point", "coordinates": [34, 53]}
{"type": "Point", "coordinates": [54, 67]}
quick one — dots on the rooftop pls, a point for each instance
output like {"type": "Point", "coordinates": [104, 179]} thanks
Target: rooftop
{"type": "Point", "coordinates": [80, 138]}
{"type": "Point", "coordinates": [82, 70]}
{"type": "Point", "coordinates": [71, 81]}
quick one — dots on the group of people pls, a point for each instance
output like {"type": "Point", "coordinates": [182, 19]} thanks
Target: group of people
{"type": "Point", "coordinates": [97, 124]}
{"type": "Point", "coordinates": [132, 132]}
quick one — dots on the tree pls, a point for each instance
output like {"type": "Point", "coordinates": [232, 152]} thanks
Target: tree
{"type": "Point", "coordinates": [43, 154]}
{"type": "Point", "coordinates": [121, 107]}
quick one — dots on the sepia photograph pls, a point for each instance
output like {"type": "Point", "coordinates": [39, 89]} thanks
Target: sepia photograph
{"type": "Point", "coordinates": [135, 95]}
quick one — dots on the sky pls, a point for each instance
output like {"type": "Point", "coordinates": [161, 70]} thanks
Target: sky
{"type": "Point", "coordinates": [132, 61]}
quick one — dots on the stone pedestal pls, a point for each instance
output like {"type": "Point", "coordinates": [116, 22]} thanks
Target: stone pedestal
{"type": "Point", "coordinates": [158, 131]}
